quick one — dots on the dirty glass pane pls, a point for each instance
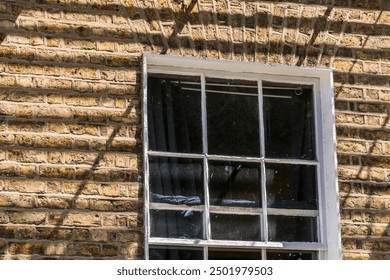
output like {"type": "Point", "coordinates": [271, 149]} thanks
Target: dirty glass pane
{"type": "Point", "coordinates": [234, 183]}
{"type": "Point", "coordinates": [292, 229]}
{"type": "Point", "coordinates": [289, 123]}
{"type": "Point", "coordinates": [232, 117]}
{"type": "Point", "coordinates": [176, 180]}
{"type": "Point", "coordinates": [235, 227]}
{"type": "Point", "coordinates": [233, 254]}
{"type": "Point", "coordinates": [291, 255]}
{"type": "Point", "coordinates": [176, 224]}
{"type": "Point", "coordinates": [175, 253]}
{"type": "Point", "coordinates": [174, 113]}
{"type": "Point", "coordinates": [291, 186]}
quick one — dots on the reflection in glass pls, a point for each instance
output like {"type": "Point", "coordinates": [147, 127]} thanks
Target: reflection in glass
{"type": "Point", "coordinates": [234, 183]}
{"type": "Point", "coordinates": [174, 114]}
{"type": "Point", "coordinates": [292, 229]}
{"type": "Point", "coordinates": [291, 186]}
{"type": "Point", "coordinates": [176, 224]}
{"type": "Point", "coordinates": [235, 227]}
{"type": "Point", "coordinates": [233, 254]}
{"type": "Point", "coordinates": [175, 253]}
{"type": "Point", "coordinates": [291, 255]}
{"type": "Point", "coordinates": [176, 180]}
{"type": "Point", "coordinates": [232, 118]}
{"type": "Point", "coordinates": [289, 123]}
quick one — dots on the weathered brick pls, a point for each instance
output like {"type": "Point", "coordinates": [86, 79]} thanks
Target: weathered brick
{"type": "Point", "coordinates": [351, 146]}
{"type": "Point", "coordinates": [26, 186]}
{"type": "Point", "coordinates": [26, 248]}
{"type": "Point", "coordinates": [55, 113]}
{"type": "Point", "coordinates": [55, 249]}
{"type": "Point", "coordinates": [81, 234]}
{"type": "Point", "coordinates": [28, 156]}
{"type": "Point", "coordinates": [7, 139]}
{"type": "Point", "coordinates": [53, 202]}
{"type": "Point", "coordinates": [8, 169]}
{"type": "Point", "coordinates": [3, 217]}
{"type": "Point", "coordinates": [80, 158]}
{"type": "Point", "coordinates": [26, 126]}
{"type": "Point", "coordinates": [82, 219]}
{"type": "Point", "coordinates": [25, 232]}
{"type": "Point", "coordinates": [56, 172]}
{"type": "Point", "coordinates": [7, 231]}
{"type": "Point", "coordinates": [53, 233]}
{"type": "Point", "coordinates": [54, 142]}
{"type": "Point", "coordinates": [35, 218]}
{"type": "Point", "coordinates": [28, 171]}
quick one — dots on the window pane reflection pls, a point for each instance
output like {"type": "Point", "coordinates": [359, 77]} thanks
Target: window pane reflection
{"type": "Point", "coordinates": [174, 114]}
{"type": "Point", "coordinates": [232, 118]}
{"type": "Point", "coordinates": [291, 186]}
{"type": "Point", "coordinates": [289, 123]}
{"type": "Point", "coordinates": [176, 180]}
{"type": "Point", "coordinates": [233, 254]}
{"type": "Point", "coordinates": [235, 227]}
{"type": "Point", "coordinates": [176, 224]}
{"type": "Point", "coordinates": [234, 183]}
{"type": "Point", "coordinates": [291, 255]}
{"type": "Point", "coordinates": [179, 253]}
{"type": "Point", "coordinates": [292, 229]}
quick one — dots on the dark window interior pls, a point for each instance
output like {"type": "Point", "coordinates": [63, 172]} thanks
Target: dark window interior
{"type": "Point", "coordinates": [233, 177]}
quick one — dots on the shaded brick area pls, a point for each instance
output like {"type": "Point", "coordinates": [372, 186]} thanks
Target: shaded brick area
{"type": "Point", "coordinates": [70, 112]}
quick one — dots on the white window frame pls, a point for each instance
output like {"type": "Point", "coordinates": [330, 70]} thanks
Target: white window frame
{"type": "Point", "coordinates": [329, 244]}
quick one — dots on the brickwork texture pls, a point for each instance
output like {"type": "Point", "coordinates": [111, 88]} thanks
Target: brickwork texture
{"type": "Point", "coordinates": [70, 115]}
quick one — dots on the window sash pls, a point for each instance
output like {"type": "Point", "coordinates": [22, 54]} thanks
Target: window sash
{"type": "Point", "coordinates": [298, 78]}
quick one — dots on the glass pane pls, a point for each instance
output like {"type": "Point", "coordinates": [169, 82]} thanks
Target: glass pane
{"type": "Point", "coordinates": [229, 254]}
{"type": "Point", "coordinates": [289, 123]}
{"type": "Point", "coordinates": [176, 224]}
{"type": "Point", "coordinates": [234, 183]}
{"type": "Point", "coordinates": [291, 186]}
{"type": "Point", "coordinates": [232, 118]}
{"type": "Point", "coordinates": [174, 114]}
{"type": "Point", "coordinates": [291, 229]}
{"type": "Point", "coordinates": [179, 253]}
{"type": "Point", "coordinates": [176, 180]}
{"type": "Point", "coordinates": [291, 255]}
{"type": "Point", "coordinates": [235, 227]}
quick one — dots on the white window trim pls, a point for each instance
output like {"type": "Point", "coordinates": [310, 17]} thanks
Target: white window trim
{"type": "Point", "coordinates": [329, 245]}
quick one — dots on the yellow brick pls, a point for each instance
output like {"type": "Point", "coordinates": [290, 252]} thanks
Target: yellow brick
{"type": "Point", "coordinates": [82, 219]}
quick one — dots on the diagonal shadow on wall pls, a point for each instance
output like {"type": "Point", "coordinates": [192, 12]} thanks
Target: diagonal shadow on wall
{"type": "Point", "coordinates": [166, 44]}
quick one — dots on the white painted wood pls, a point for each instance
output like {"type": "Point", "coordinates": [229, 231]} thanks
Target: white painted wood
{"type": "Point", "coordinates": [145, 156]}
{"type": "Point", "coordinates": [178, 207]}
{"type": "Point", "coordinates": [263, 218]}
{"type": "Point", "coordinates": [177, 155]}
{"type": "Point", "coordinates": [206, 214]}
{"type": "Point", "coordinates": [215, 243]}
{"type": "Point", "coordinates": [321, 79]}
{"type": "Point", "coordinates": [293, 212]}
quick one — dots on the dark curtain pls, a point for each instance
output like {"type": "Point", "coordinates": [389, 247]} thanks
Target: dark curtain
{"type": "Point", "coordinates": [170, 178]}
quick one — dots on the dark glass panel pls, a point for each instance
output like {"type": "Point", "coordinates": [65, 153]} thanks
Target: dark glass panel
{"type": "Point", "coordinates": [234, 183]}
{"type": "Point", "coordinates": [232, 118]}
{"type": "Point", "coordinates": [291, 186]}
{"type": "Point", "coordinates": [289, 123]}
{"type": "Point", "coordinates": [292, 229]}
{"type": "Point", "coordinates": [176, 224]}
{"type": "Point", "coordinates": [174, 114]}
{"type": "Point", "coordinates": [176, 253]}
{"type": "Point", "coordinates": [233, 254]}
{"type": "Point", "coordinates": [235, 227]}
{"type": "Point", "coordinates": [176, 180]}
{"type": "Point", "coordinates": [291, 255]}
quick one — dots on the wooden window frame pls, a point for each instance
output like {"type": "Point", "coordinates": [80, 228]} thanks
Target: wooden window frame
{"type": "Point", "coordinates": [329, 243]}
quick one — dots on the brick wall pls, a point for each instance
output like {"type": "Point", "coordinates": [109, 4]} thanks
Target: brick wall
{"type": "Point", "coordinates": [70, 115]}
